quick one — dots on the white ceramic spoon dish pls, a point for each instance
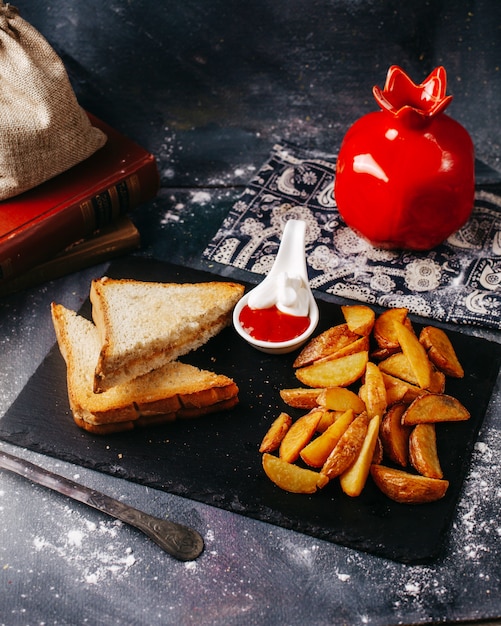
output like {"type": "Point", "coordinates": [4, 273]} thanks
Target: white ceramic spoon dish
{"type": "Point", "coordinates": [287, 287]}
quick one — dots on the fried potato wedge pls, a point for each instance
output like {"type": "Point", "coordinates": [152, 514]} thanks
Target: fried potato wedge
{"type": "Point", "coordinates": [398, 390]}
{"type": "Point", "coordinates": [379, 354]}
{"type": "Point", "coordinates": [386, 420]}
{"type": "Point", "coordinates": [325, 344]}
{"type": "Point", "coordinates": [415, 352]}
{"type": "Point", "coordinates": [328, 418]}
{"type": "Point", "coordinates": [399, 366]}
{"type": "Point", "coordinates": [341, 399]}
{"type": "Point", "coordinates": [292, 477]}
{"type": "Point", "coordinates": [360, 318]}
{"type": "Point", "coordinates": [395, 436]}
{"type": "Point", "coordinates": [395, 389]}
{"type": "Point", "coordinates": [375, 391]}
{"type": "Point", "coordinates": [431, 408]}
{"type": "Point", "coordinates": [408, 488]}
{"type": "Point", "coordinates": [301, 397]}
{"type": "Point", "coordinates": [377, 457]}
{"type": "Point", "coordinates": [362, 393]}
{"type": "Point", "coordinates": [437, 384]}
{"type": "Point", "coordinates": [423, 451]}
{"type": "Point", "coordinates": [298, 435]}
{"type": "Point", "coordinates": [354, 478]}
{"type": "Point", "coordinates": [316, 452]}
{"type": "Point", "coordinates": [340, 372]}
{"type": "Point", "coordinates": [441, 351]}
{"type": "Point", "coordinates": [276, 432]}
{"type": "Point", "coordinates": [384, 330]}
{"type": "Point", "coordinates": [347, 448]}
{"type": "Point", "coordinates": [360, 345]}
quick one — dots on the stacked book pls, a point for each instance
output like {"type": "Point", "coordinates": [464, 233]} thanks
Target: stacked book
{"type": "Point", "coordinates": [77, 218]}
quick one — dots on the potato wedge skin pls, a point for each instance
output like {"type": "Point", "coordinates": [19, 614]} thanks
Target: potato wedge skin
{"type": "Point", "coordinates": [354, 478]}
{"type": "Point", "coordinates": [407, 488]}
{"type": "Point", "coordinates": [423, 451]}
{"type": "Point", "coordinates": [377, 457]}
{"type": "Point", "coordinates": [340, 372]}
{"type": "Point", "coordinates": [298, 435]}
{"type": "Point", "coordinates": [379, 354]}
{"type": "Point", "coordinates": [435, 407]}
{"type": "Point", "coordinates": [359, 345]}
{"type": "Point", "coordinates": [291, 477]}
{"type": "Point", "coordinates": [347, 448]}
{"type": "Point", "coordinates": [395, 436]}
{"type": "Point", "coordinates": [384, 331]}
{"type": "Point", "coordinates": [328, 342]}
{"type": "Point", "coordinates": [437, 383]}
{"type": "Point", "coordinates": [300, 397]}
{"type": "Point", "coordinates": [441, 351]}
{"type": "Point", "coordinates": [375, 391]}
{"type": "Point", "coordinates": [273, 438]}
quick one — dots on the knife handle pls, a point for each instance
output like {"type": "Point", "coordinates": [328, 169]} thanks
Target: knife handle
{"type": "Point", "coordinates": [179, 541]}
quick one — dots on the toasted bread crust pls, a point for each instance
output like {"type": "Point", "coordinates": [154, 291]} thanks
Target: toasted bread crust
{"type": "Point", "coordinates": [144, 421]}
{"type": "Point", "coordinates": [103, 429]}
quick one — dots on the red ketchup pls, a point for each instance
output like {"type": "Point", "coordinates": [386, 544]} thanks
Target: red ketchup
{"type": "Point", "coordinates": [271, 324]}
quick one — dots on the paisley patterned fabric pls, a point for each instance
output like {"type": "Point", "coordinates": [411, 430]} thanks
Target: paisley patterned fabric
{"type": "Point", "coordinates": [458, 281]}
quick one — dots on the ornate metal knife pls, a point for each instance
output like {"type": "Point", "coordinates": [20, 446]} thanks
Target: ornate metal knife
{"type": "Point", "coordinates": [179, 541]}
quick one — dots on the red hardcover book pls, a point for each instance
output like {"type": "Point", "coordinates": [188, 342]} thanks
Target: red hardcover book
{"type": "Point", "coordinates": [106, 243]}
{"type": "Point", "coordinates": [37, 224]}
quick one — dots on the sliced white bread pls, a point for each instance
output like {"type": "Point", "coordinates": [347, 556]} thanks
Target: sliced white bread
{"type": "Point", "coordinates": [144, 325]}
{"type": "Point", "coordinates": [175, 390]}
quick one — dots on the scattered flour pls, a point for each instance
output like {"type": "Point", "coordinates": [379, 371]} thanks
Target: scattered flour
{"type": "Point", "coordinates": [474, 533]}
{"type": "Point", "coordinates": [77, 544]}
{"type": "Point", "coordinates": [200, 197]}
{"type": "Point", "coordinates": [412, 591]}
{"type": "Point", "coordinates": [75, 538]}
{"type": "Point", "coordinates": [413, 588]}
{"type": "Point", "coordinates": [169, 217]}
{"type": "Point", "coordinates": [168, 173]}
{"type": "Point", "coordinates": [304, 556]}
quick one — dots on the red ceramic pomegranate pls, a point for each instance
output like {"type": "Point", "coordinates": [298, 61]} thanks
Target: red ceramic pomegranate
{"type": "Point", "coordinates": [405, 175]}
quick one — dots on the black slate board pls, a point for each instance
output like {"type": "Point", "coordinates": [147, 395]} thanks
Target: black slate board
{"type": "Point", "coordinates": [215, 459]}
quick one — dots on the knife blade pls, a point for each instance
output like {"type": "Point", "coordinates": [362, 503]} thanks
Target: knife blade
{"type": "Point", "coordinates": [181, 542]}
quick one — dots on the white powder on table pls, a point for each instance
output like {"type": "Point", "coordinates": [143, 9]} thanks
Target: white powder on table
{"type": "Point", "coordinates": [93, 545]}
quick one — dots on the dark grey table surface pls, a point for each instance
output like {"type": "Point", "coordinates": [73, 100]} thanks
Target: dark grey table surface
{"type": "Point", "coordinates": [209, 87]}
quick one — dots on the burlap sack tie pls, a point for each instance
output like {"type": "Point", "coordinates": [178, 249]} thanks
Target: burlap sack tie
{"type": "Point", "coordinates": [43, 130]}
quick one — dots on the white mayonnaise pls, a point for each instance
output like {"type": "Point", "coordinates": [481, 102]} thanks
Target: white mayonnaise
{"type": "Point", "coordinates": [288, 293]}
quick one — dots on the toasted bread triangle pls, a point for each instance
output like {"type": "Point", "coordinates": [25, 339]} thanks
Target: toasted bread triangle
{"type": "Point", "coordinates": [175, 390]}
{"type": "Point", "coordinates": [144, 325]}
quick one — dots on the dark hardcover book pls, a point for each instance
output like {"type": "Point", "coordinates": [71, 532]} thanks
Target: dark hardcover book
{"type": "Point", "coordinates": [37, 224]}
{"type": "Point", "coordinates": [106, 243]}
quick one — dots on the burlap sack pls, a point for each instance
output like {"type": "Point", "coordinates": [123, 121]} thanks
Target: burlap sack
{"type": "Point", "coordinates": [43, 130]}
